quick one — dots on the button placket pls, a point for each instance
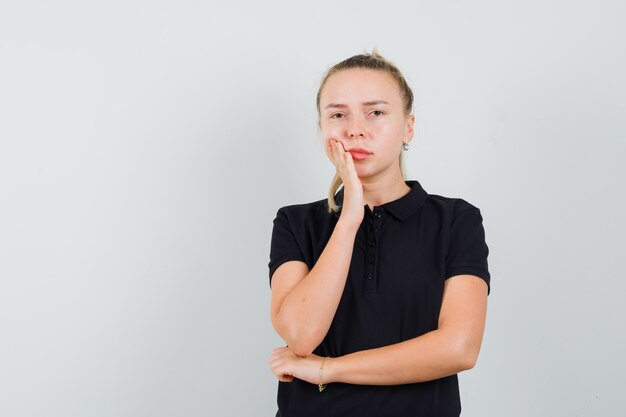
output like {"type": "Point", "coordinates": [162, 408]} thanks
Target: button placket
{"type": "Point", "coordinates": [372, 238]}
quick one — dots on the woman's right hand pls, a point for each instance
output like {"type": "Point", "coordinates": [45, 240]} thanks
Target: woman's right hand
{"type": "Point", "coordinates": [352, 210]}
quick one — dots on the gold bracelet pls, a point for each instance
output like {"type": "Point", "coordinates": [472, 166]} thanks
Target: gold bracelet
{"type": "Point", "coordinates": [320, 385]}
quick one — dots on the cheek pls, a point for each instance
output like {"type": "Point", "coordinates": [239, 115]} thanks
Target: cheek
{"type": "Point", "coordinates": [331, 131]}
{"type": "Point", "coordinates": [389, 131]}
{"type": "Point", "coordinates": [328, 133]}
{"type": "Point", "coordinates": [388, 136]}
{"type": "Point", "coordinates": [393, 136]}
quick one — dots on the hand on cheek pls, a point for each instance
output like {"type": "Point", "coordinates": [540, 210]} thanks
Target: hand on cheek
{"type": "Point", "coordinates": [353, 202]}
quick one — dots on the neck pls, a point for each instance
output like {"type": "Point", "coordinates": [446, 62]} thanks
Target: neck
{"type": "Point", "coordinates": [378, 191]}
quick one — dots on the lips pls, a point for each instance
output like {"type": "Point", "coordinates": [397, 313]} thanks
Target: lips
{"type": "Point", "coordinates": [359, 153]}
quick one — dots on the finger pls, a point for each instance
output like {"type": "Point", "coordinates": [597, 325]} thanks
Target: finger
{"type": "Point", "coordinates": [330, 151]}
{"type": "Point", "coordinates": [333, 152]}
{"type": "Point", "coordinates": [340, 152]}
{"type": "Point", "coordinates": [340, 146]}
{"type": "Point", "coordinates": [282, 371]}
{"type": "Point", "coordinates": [275, 359]}
{"type": "Point", "coordinates": [285, 378]}
{"type": "Point", "coordinates": [350, 163]}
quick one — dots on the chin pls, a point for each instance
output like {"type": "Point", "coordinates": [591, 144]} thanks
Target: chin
{"type": "Point", "coordinates": [365, 172]}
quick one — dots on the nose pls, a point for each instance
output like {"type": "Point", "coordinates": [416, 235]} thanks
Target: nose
{"type": "Point", "coordinates": [355, 129]}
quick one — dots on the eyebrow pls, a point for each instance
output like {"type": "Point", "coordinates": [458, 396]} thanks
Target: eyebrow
{"type": "Point", "coordinates": [365, 103]}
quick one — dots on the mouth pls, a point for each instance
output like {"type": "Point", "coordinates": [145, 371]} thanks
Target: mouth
{"type": "Point", "coordinates": [359, 154]}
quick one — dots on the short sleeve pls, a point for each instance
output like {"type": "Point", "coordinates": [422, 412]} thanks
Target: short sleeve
{"type": "Point", "coordinates": [468, 250]}
{"type": "Point", "coordinates": [284, 246]}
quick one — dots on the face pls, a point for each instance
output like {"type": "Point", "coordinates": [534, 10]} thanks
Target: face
{"type": "Point", "coordinates": [363, 108]}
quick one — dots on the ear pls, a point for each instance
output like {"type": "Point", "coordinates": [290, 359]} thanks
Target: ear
{"type": "Point", "coordinates": [408, 130]}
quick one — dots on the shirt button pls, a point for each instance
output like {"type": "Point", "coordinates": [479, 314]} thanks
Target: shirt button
{"type": "Point", "coordinates": [370, 276]}
{"type": "Point", "coordinates": [377, 214]}
{"type": "Point", "coordinates": [371, 243]}
{"type": "Point", "coordinates": [371, 260]}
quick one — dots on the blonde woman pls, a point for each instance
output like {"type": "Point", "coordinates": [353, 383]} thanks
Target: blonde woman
{"type": "Point", "coordinates": [379, 290]}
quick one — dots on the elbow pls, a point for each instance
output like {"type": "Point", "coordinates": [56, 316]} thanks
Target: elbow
{"type": "Point", "coordinates": [300, 346]}
{"type": "Point", "coordinates": [467, 363]}
{"type": "Point", "coordinates": [301, 342]}
{"type": "Point", "coordinates": [468, 356]}
{"type": "Point", "coordinates": [304, 343]}
{"type": "Point", "coordinates": [301, 350]}
{"type": "Point", "coordinates": [463, 351]}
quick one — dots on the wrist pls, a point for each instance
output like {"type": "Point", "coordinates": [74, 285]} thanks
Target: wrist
{"type": "Point", "coordinates": [331, 370]}
{"type": "Point", "coordinates": [349, 225]}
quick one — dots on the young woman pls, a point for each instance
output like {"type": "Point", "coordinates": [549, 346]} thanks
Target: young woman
{"type": "Point", "coordinates": [379, 290]}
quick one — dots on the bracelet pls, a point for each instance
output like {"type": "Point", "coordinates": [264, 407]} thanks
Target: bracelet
{"type": "Point", "coordinates": [320, 385]}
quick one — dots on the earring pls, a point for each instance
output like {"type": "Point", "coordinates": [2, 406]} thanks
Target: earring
{"type": "Point", "coordinates": [405, 146]}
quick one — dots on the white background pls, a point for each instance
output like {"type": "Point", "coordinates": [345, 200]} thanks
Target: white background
{"type": "Point", "coordinates": [145, 147]}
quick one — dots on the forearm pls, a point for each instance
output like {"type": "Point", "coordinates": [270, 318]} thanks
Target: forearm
{"type": "Point", "coordinates": [433, 355]}
{"type": "Point", "coordinates": [308, 311]}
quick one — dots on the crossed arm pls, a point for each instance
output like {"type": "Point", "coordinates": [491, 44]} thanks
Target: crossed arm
{"type": "Point", "coordinates": [452, 348]}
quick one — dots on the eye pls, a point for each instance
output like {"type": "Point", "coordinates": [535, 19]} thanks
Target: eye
{"type": "Point", "coordinates": [332, 116]}
{"type": "Point", "coordinates": [378, 111]}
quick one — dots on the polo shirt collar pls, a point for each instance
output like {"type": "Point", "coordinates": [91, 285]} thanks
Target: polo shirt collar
{"type": "Point", "coordinates": [401, 208]}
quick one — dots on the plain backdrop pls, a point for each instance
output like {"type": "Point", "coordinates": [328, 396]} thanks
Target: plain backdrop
{"type": "Point", "coordinates": [145, 147]}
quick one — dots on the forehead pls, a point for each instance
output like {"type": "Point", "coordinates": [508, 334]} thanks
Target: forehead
{"type": "Point", "coordinates": [357, 85]}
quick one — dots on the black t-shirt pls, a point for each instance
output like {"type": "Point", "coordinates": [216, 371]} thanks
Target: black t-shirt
{"type": "Point", "coordinates": [403, 252]}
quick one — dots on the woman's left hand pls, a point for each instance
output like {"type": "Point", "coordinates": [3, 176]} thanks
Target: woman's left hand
{"type": "Point", "coordinates": [286, 365]}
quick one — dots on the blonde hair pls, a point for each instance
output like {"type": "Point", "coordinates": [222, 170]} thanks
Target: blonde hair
{"type": "Point", "coordinates": [374, 61]}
